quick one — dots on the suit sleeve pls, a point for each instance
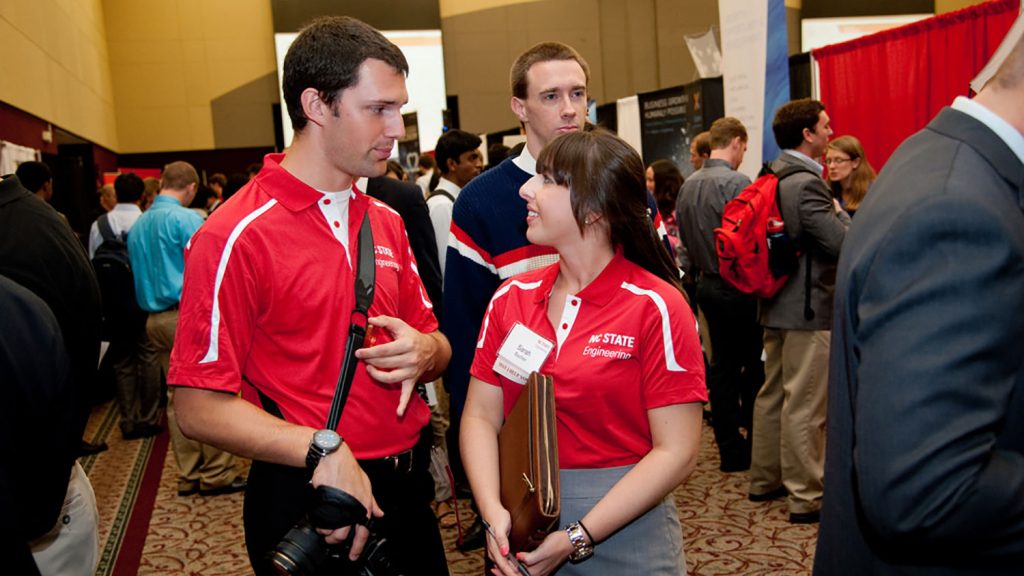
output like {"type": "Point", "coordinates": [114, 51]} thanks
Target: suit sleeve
{"type": "Point", "coordinates": [422, 241]}
{"type": "Point", "coordinates": [819, 219]}
{"type": "Point", "coordinates": [939, 372]}
{"type": "Point", "coordinates": [470, 281]}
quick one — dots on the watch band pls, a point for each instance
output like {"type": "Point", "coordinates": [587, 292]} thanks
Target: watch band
{"type": "Point", "coordinates": [317, 450]}
{"type": "Point", "coordinates": [581, 548]}
{"type": "Point", "coordinates": [313, 456]}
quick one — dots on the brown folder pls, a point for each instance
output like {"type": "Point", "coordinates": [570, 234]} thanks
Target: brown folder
{"type": "Point", "coordinates": [528, 452]}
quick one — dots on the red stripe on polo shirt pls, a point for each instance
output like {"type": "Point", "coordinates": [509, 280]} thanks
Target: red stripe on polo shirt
{"type": "Point", "coordinates": [524, 253]}
{"type": "Point", "coordinates": [467, 241]}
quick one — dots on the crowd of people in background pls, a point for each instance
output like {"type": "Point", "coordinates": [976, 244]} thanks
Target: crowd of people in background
{"type": "Point", "coordinates": [212, 293]}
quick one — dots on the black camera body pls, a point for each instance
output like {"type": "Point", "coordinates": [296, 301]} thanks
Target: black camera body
{"type": "Point", "coordinates": [303, 551]}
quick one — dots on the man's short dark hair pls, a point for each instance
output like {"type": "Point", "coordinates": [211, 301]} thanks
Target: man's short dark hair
{"type": "Point", "coordinates": [129, 188]}
{"type": "Point", "coordinates": [791, 119]}
{"type": "Point", "coordinates": [453, 144]}
{"type": "Point", "coordinates": [33, 175]}
{"type": "Point", "coordinates": [543, 52]}
{"type": "Point", "coordinates": [326, 56]}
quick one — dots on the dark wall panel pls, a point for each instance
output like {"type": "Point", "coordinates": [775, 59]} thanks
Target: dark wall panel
{"type": "Point", "coordinates": [291, 15]}
{"type": "Point", "coordinates": [206, 162]}
{"type": "Point", "coordinates": [833, 9]}
{"type": "Point", "coordinates": [24, 129]}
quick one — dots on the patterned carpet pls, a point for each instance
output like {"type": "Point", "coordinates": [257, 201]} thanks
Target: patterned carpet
{"type": "Point", "coordinates": [146, 528]}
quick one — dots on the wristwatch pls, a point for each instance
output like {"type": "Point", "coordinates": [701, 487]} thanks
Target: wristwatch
{"type": "Point", "coordinates": [581, 549]}
{"type": "Point", "coordinates": [324, 442]}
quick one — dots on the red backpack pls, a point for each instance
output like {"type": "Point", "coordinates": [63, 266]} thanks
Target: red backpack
{"type": "Point", "coordinates": [755, 254]}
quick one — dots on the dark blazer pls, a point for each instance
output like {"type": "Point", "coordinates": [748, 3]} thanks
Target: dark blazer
{"type": "Point", "coordinates": [407, 199]}
{"type": "Point", "coordinates": [39, 252]}
{"type": "Point", "coordinates": [811, 220]}
{"type": "Point", "coordinates": [924, 468]}
{"type": "Point", "coordinates": [38, 415]}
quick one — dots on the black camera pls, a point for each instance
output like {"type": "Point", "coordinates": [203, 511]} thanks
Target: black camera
{"type": "Point", "coordinates": [303, 551]}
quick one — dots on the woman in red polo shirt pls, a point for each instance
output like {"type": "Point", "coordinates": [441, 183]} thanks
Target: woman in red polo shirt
{"type": "Point", "coordinates": [613, 329]}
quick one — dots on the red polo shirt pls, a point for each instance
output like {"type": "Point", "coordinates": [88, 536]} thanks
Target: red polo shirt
{"type": "Point", "coordinates": [625, 344]}
{"type": "Point", "coordinates": [268, 294]}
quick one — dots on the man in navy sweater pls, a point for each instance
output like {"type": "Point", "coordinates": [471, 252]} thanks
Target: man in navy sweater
{"type": "Point", "coordinates": [488, 241]}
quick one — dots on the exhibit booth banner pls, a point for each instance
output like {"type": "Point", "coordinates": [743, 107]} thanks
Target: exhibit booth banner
{"type": "Point", "coordinates": [755, 70]}
{"type": "Point", "coordinates": [627, 122]}
{"type": "Point", "coordinates": [665, 126]}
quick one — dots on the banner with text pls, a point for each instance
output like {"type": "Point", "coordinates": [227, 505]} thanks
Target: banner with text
{"type": "Point", "coordinates": [755, 69]}
{"type": "Point", "coordinates": [664, 125]}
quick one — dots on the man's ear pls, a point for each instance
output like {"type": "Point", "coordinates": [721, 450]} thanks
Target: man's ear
{"type": "Point", "coordinates": [451, 164]}
{"type": "Point", "coordinates": [314, 108]}
{"type": "Point", "coordinates": [519, 108]}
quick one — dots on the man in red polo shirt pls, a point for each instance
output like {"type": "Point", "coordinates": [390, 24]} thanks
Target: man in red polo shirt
{"type": "Point", "coordinates": [266, 306]}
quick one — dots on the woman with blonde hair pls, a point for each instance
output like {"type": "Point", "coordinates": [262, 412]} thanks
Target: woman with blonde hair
{"type": "Point", "coordinates": [849, 172]}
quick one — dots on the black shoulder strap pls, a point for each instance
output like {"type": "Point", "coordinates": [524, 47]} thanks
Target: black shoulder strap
{"type": "Point", "coordinates": [365, 268]}
{"type": "Point", "coordinates": [364, 287]}
{"type": "Point", "coordinates": [439, 192]}
{"type": "Point", "coordinates": [106, 232]}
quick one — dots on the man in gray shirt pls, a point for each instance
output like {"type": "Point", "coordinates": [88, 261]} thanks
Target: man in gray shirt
{"type": "Point", "coordinates": [736, 372]}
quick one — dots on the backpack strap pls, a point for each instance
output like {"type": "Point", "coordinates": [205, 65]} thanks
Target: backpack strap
{"type": "Point", "coordinates": [781, 175]}
{"type": "Point", "coordinates": [106, 232]}
{"type": "Point", "coordinates": [439, 192]}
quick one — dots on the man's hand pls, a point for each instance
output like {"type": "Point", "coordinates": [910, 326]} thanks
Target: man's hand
{"type": "Point", "coordinates": [406, 358]}
{"type": "Point", "coordinates": [341, 471]}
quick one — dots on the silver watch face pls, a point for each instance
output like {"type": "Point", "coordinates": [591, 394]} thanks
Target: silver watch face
{"type": "Point", "coordinates": [327, 440]}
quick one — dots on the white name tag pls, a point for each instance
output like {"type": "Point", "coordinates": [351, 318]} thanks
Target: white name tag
{"type": "Point", "coordinates": [522, 352]}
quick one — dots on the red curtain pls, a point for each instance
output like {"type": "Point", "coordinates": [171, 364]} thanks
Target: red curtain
{"type": "Point", "coordinates": [884, 87]}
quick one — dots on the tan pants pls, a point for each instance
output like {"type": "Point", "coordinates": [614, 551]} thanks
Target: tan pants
{"type": "Point", "coordinates": [789, 418]}
{"type": "Point", "coordinates": [199, 465]}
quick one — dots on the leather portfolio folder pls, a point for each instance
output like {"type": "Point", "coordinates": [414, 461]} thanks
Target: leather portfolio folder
{"type": "Point", "coordinates": [528, 453]}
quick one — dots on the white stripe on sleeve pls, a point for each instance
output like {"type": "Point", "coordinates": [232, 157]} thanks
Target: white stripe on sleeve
{"type": "Point", "coordinates": [213, 352]}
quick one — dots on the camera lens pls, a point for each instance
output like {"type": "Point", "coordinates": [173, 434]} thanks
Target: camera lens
{"type": "Point", "coordinates": [300, 552]}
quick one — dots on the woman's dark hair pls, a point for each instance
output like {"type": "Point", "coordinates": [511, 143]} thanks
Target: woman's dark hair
{"type": "Point", "coordinates": [394, 166]}
{"type": "Point", "coordinates": [605, 176]}
{"type": "Point", "coordinates": [667, 182]}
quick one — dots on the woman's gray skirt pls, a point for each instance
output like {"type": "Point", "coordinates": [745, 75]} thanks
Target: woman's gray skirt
{"type": "Point", "coordinates": [651, 544]}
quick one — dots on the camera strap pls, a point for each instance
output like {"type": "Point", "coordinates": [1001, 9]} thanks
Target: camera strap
{"type": "Point", "coordinates": [365, 269]}
{"type": "Point", "coordinates": [364, 285]}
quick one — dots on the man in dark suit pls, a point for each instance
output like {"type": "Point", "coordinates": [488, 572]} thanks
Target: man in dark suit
{"type": "Point", "coordinates": [40, 253]}
{"type": "Point", "coordinates": [407, 199]}
{"type": "Point", "coordinates": [788, 448]}
{"type": "Point", "coordinates": [925, 467]}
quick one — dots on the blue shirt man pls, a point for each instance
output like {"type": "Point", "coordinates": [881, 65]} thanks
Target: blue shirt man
{"type": "Point", "coordinates": [156, 247]}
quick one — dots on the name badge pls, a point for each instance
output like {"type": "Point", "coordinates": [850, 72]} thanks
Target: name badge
{"type": "Point", "coordinates": [522, 352]}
